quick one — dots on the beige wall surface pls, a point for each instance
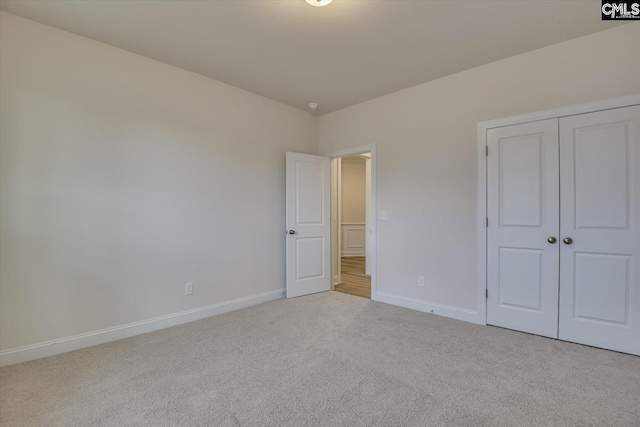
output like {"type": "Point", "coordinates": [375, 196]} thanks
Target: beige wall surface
{"type": "Point", "coordinates": [425, 139]}
{"type": "Point", "coordinates": [354, 187]}
{"type": "Point", "coordinates": [123, 178]}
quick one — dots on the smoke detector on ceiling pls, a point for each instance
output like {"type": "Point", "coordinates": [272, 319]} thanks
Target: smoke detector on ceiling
{"type": "Point", "coordinates": [313, 106]}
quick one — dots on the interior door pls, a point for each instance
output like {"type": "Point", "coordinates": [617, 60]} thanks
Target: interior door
{"type": "Point", "coordinates": [600, 213]}
{"type": "Point", "coordinates": [308, 224]}
{"type": "Point", "coordinates": [522, 235]}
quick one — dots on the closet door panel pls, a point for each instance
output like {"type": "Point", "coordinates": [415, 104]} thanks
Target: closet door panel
{"type": "Point", "coordinates": [600, 213]}
{"type": "Point", "coordinates": [522, 203]}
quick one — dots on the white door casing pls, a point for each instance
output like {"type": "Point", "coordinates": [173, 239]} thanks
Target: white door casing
{"type": "Point", "coordinates": [522, 209]}
{"type": "Point", "coordinates": [335, 226]}
{"type": "Point", "coordinates": [600, 212]}
{"type": "Point", "coordinates": [368, 212]}
{"type": "Point", "coordinates": [308, 224]}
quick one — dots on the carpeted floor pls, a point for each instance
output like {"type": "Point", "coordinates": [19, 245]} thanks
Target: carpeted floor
{"type": "Point", "coordinates": [326, 360]}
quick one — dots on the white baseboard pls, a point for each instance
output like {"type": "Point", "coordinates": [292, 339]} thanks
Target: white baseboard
{"type": "Point", "coordinates": [430, 307]}
{"type": "Point", "coordinates": [75, 342]}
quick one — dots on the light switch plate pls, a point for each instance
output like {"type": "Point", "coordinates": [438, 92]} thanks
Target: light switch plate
{"type": "Point", "coordinates": [383, 215]}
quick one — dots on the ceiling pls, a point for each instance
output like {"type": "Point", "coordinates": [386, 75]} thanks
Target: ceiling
{"type": "Point", "coordinates": [339, 55]}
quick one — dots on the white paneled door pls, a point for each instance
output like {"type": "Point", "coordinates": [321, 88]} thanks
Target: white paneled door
{"type": "Point", "coordinates": [600, 224]}
{"type": "Point", "coordinates": [563, 239]}
{"type": "Point", "coordinates": [522, 237]}
{"type": "Point", "coordinates": [308, 225]}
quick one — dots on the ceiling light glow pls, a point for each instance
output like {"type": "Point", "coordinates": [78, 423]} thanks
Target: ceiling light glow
{"type": "Point", "coordinates": [318, 3]}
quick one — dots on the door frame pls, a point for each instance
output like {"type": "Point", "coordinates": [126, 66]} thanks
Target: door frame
{"type": "Point", "coordinates": [371, 148]}
{"type": "Point", "coordinates": [336, 220]}
{"type": "Point", "coordinates": [483, 127]}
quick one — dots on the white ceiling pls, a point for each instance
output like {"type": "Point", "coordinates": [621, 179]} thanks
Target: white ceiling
{"type": "Point", "coordinates": [338, 55]}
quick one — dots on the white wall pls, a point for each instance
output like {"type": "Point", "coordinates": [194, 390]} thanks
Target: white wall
{"type": "Point", "coordinates": [426, 155]}
{"type": "Point", "coordinates": [122, 178]}
{"type": "Point", "coordinates": [353, 180]}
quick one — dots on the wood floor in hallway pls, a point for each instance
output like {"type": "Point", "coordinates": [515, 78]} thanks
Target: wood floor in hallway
{"type": "Point", "coordinates": [354, 280]}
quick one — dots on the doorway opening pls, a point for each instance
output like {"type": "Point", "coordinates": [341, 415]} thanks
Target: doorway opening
{"type": "Point", "coordinates": [314, 246]}
{"type": "Point", "coordinates": [351, 224]}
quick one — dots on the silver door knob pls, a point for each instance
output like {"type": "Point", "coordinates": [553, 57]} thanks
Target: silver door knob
{"type": "Point", "coordinates": [552, 240]}
{"type": "Point", "coordinates": [567, 240]}
{"type": "Point", "coordinates": [291, 232]}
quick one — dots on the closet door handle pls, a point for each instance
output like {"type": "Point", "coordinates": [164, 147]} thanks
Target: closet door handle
{"type": "Point", "coordinates": [567, 240]}
{"type": "Point", "coordinates": [552, 240]}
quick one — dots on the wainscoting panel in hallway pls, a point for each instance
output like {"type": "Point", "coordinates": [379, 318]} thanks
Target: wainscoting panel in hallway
{"type": "Point", "coordinates": [354, 281]}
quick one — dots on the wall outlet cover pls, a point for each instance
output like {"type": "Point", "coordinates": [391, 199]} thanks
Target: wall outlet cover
{"type": "Point", "coordinates": [188, 288]}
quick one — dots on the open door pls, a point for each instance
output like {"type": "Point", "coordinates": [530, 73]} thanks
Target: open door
{"type": "Point", "coordinates": [308, 224]}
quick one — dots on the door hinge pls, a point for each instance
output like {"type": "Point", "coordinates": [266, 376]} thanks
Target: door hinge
{"type": "Point", "coordinates": [486, 294]}
{"type": "Point", "coordinates": [486, 150]}
{"type": "Point", "coordinates": [487, 221]}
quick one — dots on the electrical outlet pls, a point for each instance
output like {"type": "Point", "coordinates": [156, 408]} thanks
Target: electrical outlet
{"type": "Point", "coordinates": [188, 288]}
{"type": "Point", "coordinates": [421, 281]}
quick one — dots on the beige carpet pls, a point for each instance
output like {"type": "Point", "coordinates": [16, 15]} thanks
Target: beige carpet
{"type": "Point", "coordinates": [326, 360]}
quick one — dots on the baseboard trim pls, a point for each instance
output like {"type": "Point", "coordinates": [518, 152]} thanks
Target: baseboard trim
{"type": "Point", "coordinates": [76, 342]}
{"type": "Point", "coordinates": [430, 307]}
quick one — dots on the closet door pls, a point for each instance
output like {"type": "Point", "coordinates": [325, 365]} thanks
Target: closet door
{"type": "Point", "coordinates": [600, 225]}
{"type": "Point", "coordinates": [522, 236]}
